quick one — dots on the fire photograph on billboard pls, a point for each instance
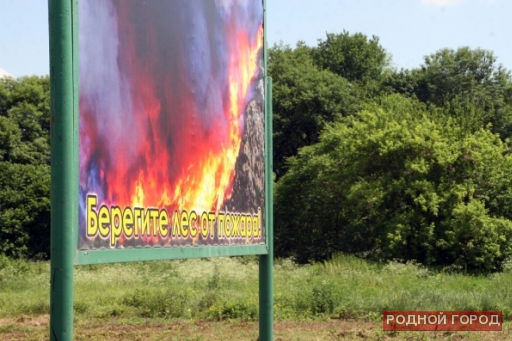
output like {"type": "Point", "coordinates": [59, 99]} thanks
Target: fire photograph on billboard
{"type": "Point", "coordinates": [171, 123]}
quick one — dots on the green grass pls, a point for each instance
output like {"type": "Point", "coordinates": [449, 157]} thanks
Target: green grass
{"type": "Point", "coordinates": [227, 288]}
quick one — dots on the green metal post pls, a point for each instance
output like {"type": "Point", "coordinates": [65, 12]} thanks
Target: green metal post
{"type": "Point", "coordinates": [63, 168]}
{"type": "Point", "coordinates": [266, 266]}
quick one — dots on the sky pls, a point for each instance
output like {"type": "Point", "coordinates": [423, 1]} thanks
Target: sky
{"type": "Point", "coordinates": [408, 29]}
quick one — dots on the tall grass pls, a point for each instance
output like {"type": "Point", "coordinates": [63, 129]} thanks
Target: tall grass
{"type": "Point", "coordinates": [227, 288]}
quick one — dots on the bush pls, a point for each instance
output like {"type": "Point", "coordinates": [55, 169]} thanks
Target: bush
{"type": "Point", "coordinates": [396, 182]}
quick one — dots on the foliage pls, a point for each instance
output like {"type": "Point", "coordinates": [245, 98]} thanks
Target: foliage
{"type": "Point", "coordinates": [354, 57]}
{"type": "Point", "coordinates": [461, 81]}
{"type": "Point", "coordinates": [25, 120]}
{"type": "Point", "coordinates": [25, 167]}
{"type": "Point", "coordinates": [313, 86]}
{"type": "Point", "coordinates": [25, 210]}
{"type": "Point", "coordinates": [305, 98]}
{"type": "Point", "coordinates": [421, 178]}
{"type": "Point", "coordinates": [395, 182]}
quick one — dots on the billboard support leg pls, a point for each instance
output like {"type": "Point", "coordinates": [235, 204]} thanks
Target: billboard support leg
{"type": "Point", "coordinates": [266, 266]}
{"type": "Point", "coordinates": [63, 203]}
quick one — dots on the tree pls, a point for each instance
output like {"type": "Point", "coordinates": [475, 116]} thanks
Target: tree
{"type": "Point", "coordinates": [25, 210]}
{"type": "Point", "coordinates": [305, 98]}
{"type": "Point", "coordinates": [25, 167]}
{"type": "Point", "coordinates": [354, 57]}
{"type": "Point", "coordinates": [462, 81]}
{"type": "Point", "coordinates": [392, 182]}
{"type": "Point", "coordinates": [25, 120]}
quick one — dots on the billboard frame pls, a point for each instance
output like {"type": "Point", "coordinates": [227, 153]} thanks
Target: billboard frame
{"type": "Point", "coordinates": [84, 257]}
{"type": "Point", "coordinates": [64, 118]}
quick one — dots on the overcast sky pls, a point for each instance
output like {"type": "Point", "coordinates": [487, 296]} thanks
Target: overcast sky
{"type": "Point", "coordinates": [408, 29]}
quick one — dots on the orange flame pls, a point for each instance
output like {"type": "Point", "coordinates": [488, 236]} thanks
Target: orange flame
{"type": "Point", "coordinates": [166, 150]}
{"type": "Point", "coordinates": [207, 182]}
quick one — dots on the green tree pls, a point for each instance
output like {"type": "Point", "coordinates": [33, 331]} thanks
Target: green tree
{"type": "Point", "coordinates": [462, 81]}
{"type": "Point", "coordinates": [394, 181]}
{"type": "Point", "coordinates": [25, 120]}
{"type": "Point", "coordinates": [24, 210]}
{"type": "Point", "coordinates": [305, 98]}
{"type": "Point", "coordinates": [354, 57]}
{"type": "Point", "coordinates": [25, 167]}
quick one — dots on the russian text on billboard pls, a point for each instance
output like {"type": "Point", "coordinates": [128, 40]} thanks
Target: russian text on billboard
{"type": "Point", "coordinates": [171, 144]}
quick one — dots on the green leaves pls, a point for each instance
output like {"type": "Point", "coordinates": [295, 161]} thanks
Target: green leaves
{"type": "Point", "coordinates": [467, 84]}
{"type": "Point", "coordinates": [313, 86]}
{"type": "Point", "coordinates": [25, 167]}
{"type": "Point", "coordinates": [25, 120]}
{"type": "Point", "coordinates": [354, 57]}
{"type": "Point", "coordinates": [24, 210]}
{"type": "Point", "coordinates": [475, 240]}
{"type": "Point", "coordinates": [305, 99]}
{"type": "Point", "coordinates": [395, 182]}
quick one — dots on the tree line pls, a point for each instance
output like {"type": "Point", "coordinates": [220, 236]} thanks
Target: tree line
{"type": "Point", "coordinates": [392, 164]}
{"type": "Point", "coordinates": [370, 160]}
{"type": "Point", "coordinates": [25, 167]}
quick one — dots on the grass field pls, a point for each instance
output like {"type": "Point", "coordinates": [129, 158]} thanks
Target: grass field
{"type": "Point", "coordinates": [199, 299]}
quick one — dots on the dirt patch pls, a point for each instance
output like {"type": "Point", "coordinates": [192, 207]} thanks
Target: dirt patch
{"type": "Point", "coordinates": [34, 321]}
{"type": "Point", "coordinates": [36, 328]}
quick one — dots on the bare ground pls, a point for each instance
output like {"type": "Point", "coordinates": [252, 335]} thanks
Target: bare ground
{"type": "Point", "coordinates": [37, 328]}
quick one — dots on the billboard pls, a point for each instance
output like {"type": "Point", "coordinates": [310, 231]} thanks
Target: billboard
{"type": "Point", "coordinates": [171, 124]}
